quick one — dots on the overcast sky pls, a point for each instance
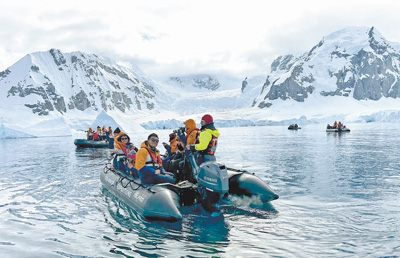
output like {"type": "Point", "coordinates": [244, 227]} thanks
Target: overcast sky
{"type": "Point", "coordinates": [163, 37]}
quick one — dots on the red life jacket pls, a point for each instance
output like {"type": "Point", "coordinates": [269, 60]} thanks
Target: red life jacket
{"type": "Point", "coordinates": [155, 160]}
{"type": "Point", "coordinates": [96, 137]}
{"type": "Point", "coordinates": [211, 148]}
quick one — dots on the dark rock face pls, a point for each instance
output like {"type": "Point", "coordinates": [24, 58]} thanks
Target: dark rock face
{"type": "Point", "coordinates": [372, 72]}
{"type": "Point", "coordinates": [198, 81]}
{"type": "Point", "coordinates": [244, 84]}
{"type": "Point", "coordinates": [86, 82]}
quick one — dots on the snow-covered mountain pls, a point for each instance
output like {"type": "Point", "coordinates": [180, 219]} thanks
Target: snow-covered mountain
{"type": "Point", "coordinates": [74, 87]}
{"type": "Point", "coordinates": [202, 81]}
{"type": "Point", "coordinates": [353, 63]}
{"type": "Point", "coordinates": [350, 75]}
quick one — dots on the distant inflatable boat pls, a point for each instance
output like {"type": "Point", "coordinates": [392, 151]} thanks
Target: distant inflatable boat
{"type": "Point", "coordinates": [337, 130]}
{"type": "Point", "coordinates": [291, 127]}
{"type": "Point", "coordinates": [82, 143]}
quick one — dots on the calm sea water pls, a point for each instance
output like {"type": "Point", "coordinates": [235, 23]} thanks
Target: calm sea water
{"type": "Point", "coordinates": [339, 197]}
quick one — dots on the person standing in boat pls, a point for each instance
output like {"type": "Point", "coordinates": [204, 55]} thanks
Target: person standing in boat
{"type": "Point", "coordinates": [110, 139]}
{"type": "Point", "coordinates": [89, 134]}
{"type": "Point", "coordinates": [149, 165]}
{"type": "Point", "coordinates": [191, 138]}
{"type": "Point", "coordinates": [117, 133]}
{"type": "Point", "coordinates": [208, 140]}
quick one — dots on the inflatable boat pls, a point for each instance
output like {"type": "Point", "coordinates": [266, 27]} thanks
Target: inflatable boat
{"type": "Point", "coordinates": [82, 143]}
{"type": "Point", "coordinates": [337, 130]}
{"type": "Point", "coordinates": [214, 183]}
{"type": "Point", "coordinates": [291, 127]}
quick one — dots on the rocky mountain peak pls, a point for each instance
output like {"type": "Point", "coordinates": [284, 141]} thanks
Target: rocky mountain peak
{"type": "Point", "coordinates": [197, 81]}
{"type": "Point", "coordinates": [53, 81]}
{"type": "Point", "coordinates": [353, 62]}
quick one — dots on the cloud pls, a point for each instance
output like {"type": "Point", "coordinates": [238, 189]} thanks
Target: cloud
{"type": "Point", "coordinates": [185, 37]}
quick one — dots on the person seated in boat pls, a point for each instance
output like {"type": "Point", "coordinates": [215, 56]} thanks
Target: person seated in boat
{"type": "Point", "coordinates": [335, 125]}
{"type": "Point", "coordinates": [95, 136]}
{"type": "Point", "coordinates": [173, 164]}
{"type": "Point", "coordinates": [123, 144]}
{"type": "Point", "coordinates": [149, 165]}
{"type": "Point", "coordinates": [98, 130]}
{"type": "Point", "coordinates": [172, 146]}
{"type": "Point", "coordinates": [171, 150]}
{"type": "Point", "coordinates": [102, 133]}
{"type": "Point", "coordinates": [89, 134]}
{"type": "Point", "coordinates": [340, 125]}
{"type": "Point", "coordinates": [117, 133]}
{"type": "Point", "coordinates": [296, 125]}
{"type": "Point", "coordinates": [130, 164]}
{"type": "Point", "coordinates": [208, 140]}
{"type": "Point", "coordinates": [328, 126]}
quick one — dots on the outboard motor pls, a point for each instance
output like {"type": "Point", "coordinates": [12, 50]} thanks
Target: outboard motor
{"type": "Point", "coordinates": [212, 182]}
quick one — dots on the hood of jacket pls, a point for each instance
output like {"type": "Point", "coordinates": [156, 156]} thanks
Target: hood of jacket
{"type": "Point", "coordinates": [191, 124]}
{"type": "Point", "coordinates": [215, 132]}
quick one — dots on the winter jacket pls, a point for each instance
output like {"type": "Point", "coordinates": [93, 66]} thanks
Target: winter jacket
{"type": "Point", "coordinates": [208, 140]}
{"type": "Point", "coordinates": [191, 132]}
{"type": "Point", "coordinates": [124, 147]}
{"type": "Point", "coordinates": [146, 157]}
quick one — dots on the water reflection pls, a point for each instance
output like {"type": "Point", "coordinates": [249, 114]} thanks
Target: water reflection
{"type": "Point", "coordinates": [200, 232]}
{"type": "Point", "coordinates": [338, 197]}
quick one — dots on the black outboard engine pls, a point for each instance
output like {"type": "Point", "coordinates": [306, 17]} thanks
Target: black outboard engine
{"type": "Point", "coordinates": [212, 182]}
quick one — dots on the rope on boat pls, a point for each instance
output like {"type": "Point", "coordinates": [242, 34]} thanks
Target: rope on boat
{"type": "Point", "coordinates": [240, 170]}
{"type": "Point", "coordinates": [122, 177]}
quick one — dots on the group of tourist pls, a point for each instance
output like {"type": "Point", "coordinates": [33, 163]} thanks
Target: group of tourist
{"type": "Point", "coordinates": [147, 164]}
{"type": "Point", "coordinates": [101, 134]}
{"type": "Point", "coordinates": [336, 125]}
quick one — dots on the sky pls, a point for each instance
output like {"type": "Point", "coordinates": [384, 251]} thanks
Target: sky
{"type": "Point", "coordinates": [182, 37]}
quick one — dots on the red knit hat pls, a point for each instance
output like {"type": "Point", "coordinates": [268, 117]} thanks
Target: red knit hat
{"type": "Point", "coordinates": [172, 136]}
{"type": "Point", "coordinates": [207, 118]}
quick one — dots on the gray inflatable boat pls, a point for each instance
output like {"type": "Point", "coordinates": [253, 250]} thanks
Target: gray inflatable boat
{"type": "Point", "coordinates": [213, 183]}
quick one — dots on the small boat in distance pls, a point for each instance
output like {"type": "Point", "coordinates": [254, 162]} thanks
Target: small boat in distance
{"type": "Point", "coordinates": [83, 143]}
{"type": "Point", "coordinates": [337, 128]}
{"type": "Point", "coordinates": [294, 127]}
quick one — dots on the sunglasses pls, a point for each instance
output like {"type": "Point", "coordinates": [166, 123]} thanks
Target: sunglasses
{"type": "Point", "coordinates": [154, 140]}
{"type": "Point", "coordinates": [124, 138]}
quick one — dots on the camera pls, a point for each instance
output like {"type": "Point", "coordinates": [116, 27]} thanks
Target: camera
{"type": "Point", "coordinates": [179, 130]}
